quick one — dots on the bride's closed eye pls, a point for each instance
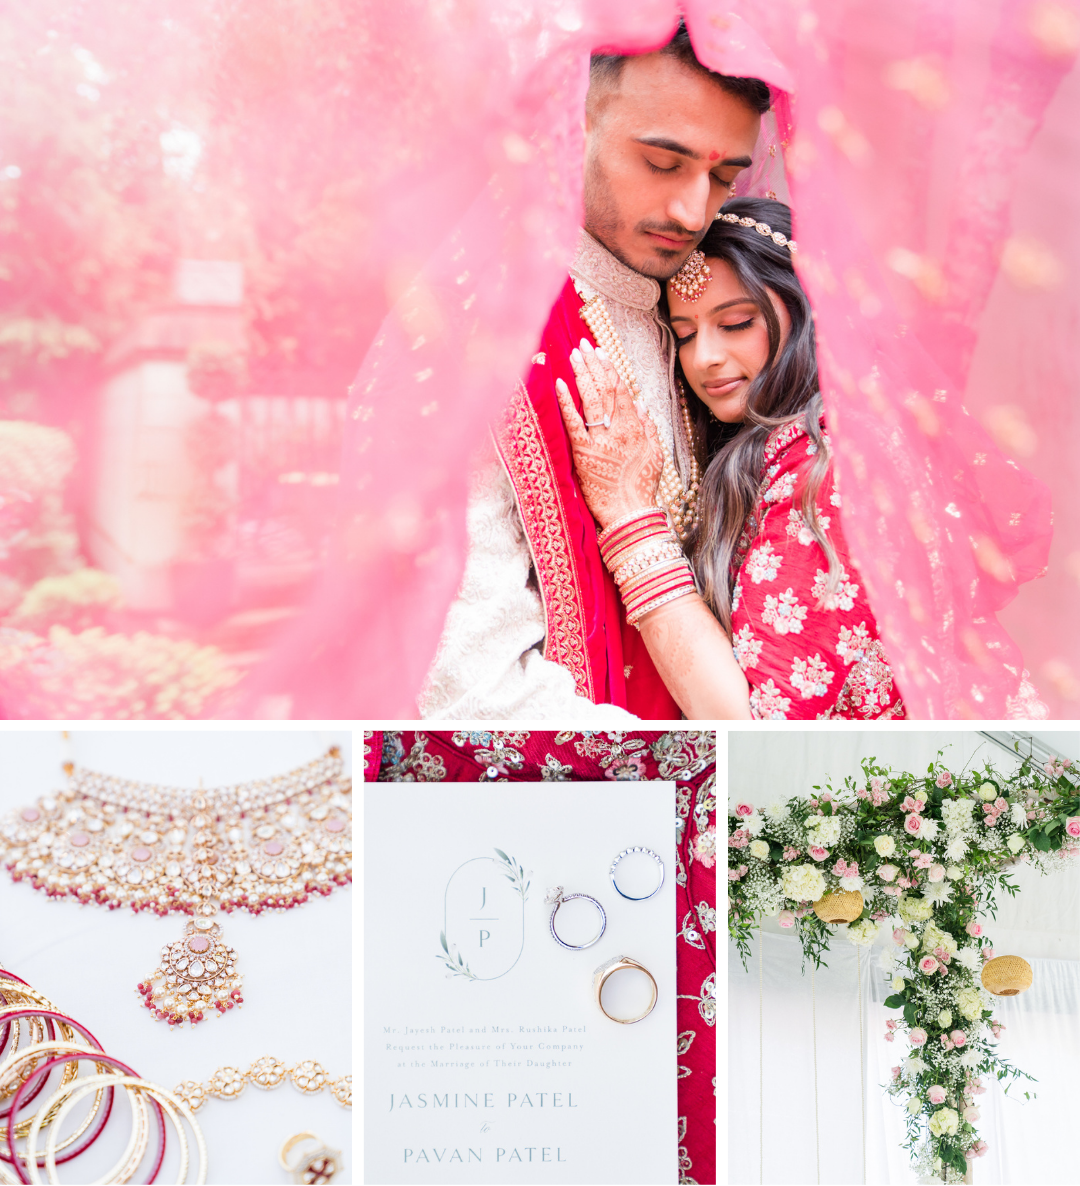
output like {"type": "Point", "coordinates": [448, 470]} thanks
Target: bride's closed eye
{"type": "Point", "coordinates": [732, 329]}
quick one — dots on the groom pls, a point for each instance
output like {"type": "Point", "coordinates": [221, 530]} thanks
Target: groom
{"type": "Point", "coordinates": [537, 629]}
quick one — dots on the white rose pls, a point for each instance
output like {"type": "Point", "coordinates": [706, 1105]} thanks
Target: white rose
{"type": "Point", "coordinates": [1015, 842]}
{"type": "Point", "coordinates": [914, 1105]}
{"type": "Point", "coordinates": [944, 1019]}
{"type": "Point", "coordinates": [921, 796]}
{"type": "Point", "coordinates": [899, 983]}
{"type": "Point", "coordinates": [911, 942]}
{"type": "Point", "coordinates": [759, 849]}
{"type": "Point", "coordinates": [885, 845]}
{"type": "Point", "coordinates": [970, 1058]}
{"type": "Point", "coordinates": [988, 791]}
{"type": "Point", "coordinates": [954, 872]}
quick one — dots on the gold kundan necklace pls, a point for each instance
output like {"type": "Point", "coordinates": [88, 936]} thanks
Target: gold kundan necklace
{"type": "Point", "coordinates": [268, 844]}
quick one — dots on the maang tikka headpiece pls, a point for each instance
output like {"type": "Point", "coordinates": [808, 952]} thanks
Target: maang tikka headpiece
{"type": "Point", "coordinates": [690, 280]}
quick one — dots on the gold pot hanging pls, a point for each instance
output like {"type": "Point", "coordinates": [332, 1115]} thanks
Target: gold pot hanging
{"type": "Point", "coordinates": [1007, 975]}
{"type": "Point", "coordinates": [839, 906]}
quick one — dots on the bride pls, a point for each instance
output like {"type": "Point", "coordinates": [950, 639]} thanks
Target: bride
{"type": "Point", "coordinates": [761, 613]}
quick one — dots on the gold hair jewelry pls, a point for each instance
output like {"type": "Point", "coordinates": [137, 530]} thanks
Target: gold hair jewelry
{"type": "Point", "coordinates": [227, 1083]}
{"type": "Point", "coordinates": [762, 228]}
{"type": "Point", "coordinates": [690, 280]}
{"type": "Point", "coordinates": [266, 844]}
{"type": "Point", "coordinates": [315, 1167]}
{"type": "Point", "coordinates": [680, 503]}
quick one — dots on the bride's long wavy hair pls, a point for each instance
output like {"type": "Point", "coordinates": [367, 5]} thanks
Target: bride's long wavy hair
{"type": "Point", "coordinates": [786, 389]}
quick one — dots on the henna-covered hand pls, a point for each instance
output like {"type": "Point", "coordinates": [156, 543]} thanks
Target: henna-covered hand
{"type": "Point", "coordinates": [618, 459]}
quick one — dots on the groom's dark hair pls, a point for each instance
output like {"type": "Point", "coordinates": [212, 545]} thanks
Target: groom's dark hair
{"type": "Point", "coordinates": [605, 71]}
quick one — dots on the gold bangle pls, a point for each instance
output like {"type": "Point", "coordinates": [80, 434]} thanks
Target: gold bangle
{"type": "Point", "coordinates": [604, 973]}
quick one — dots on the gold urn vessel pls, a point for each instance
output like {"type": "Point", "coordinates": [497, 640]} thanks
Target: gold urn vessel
{"type": "Point", "coordinates": [1007, 975]}
{"type": "Point", "coordinates": [840, 906]}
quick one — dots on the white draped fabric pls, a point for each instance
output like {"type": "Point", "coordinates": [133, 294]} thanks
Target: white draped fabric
{"type": "Point", "coordinates": [1030, 1142]}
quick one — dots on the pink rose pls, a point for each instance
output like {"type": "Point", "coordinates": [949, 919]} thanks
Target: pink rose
{"type": "Point", "coordinates": [892, 890]}
{"type": "Point", "coordinates": [937, 1094]}
{"type": "Point", "coordinates": [876, 784]}
{"type": "Point", "coordinates": [991, 821]}
{"type": "Point", "coordinates": [974, 929]}
{"type": "Point", "coordinates": [928, 965]}
{"type": "Point", "coordinates": [946, 1044]}
{"type": "Point", "coordinates": [817, 852]}
{"type": "Point", "coordinates": [890, 1036]}
{"type": "Point", "coordinates": [887, 872]}
{"type": "Point", "coordinates": [923, 860]}
{"type": "Point", "coordinates": [903, 883]}
{"type": "Point", "coordinates": [937, 873]}
{"type": "Point", "coordinates": [971, 1113]}
{"type": "Point", "coordinates": [943, 779]}
{"type": "Point", "coordinates": [896, 1071]}
{"type": "Point", "coordinates": [959, 1038]}
{"type": "Point", "coordinates": [786, 919]}
{"type": "Point", "coordinates": [1072, 826]}
{"type": "Point", "coordinates": [733, 875]}
{"type": "Point", "coordinates": [1000, 805]}
{"type": "Point", "coordinates": [910, 804]}
{"type": "Point", "coordinates": [917, 1036]}
{"type": "Point", "coordinates": [742, 810]}
{"type": "Point", "coordinates": [790, 853]}
{"type": "Point", "coordinates": [975, 1087]}
{"type": "Point", "coordinates": [979, 1148]}
{"type": "Point", "coordinates": [740, 838]}
{"type": "Point", "coordinates": [987, 954]}
{"type": "Point", "coordinates": [899, 935]}
{"type": "Point", "coordinates": [942, 954]}
{"type": "Point", "coordinates": [912, 824]}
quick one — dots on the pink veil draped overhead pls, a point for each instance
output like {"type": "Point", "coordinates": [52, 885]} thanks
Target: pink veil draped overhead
{"type": "Point", "coordinates": [908, 138]}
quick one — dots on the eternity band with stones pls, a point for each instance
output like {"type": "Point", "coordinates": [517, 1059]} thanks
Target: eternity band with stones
{"type": "Point", "coordinates": [556, 897]}
{"type": "Point", "coordinates": [622, 963]}
{"type": "Point", "coordinates": [626, 852]}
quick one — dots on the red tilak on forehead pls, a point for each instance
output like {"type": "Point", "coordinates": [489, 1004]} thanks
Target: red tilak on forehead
{"type": "Point", "coordinates": [714, 155]}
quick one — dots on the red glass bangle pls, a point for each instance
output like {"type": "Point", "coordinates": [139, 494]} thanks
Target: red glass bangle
{"type": "Point", "coordinates": [11, 1156]}
{"type": "Point", "coordinates": [93, 1056]}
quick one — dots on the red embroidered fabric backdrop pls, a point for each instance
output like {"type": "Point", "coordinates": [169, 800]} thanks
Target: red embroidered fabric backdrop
{"type": "Point", "coordinates": [685, 757]}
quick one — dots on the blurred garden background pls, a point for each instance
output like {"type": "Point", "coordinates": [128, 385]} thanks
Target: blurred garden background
{"type": "Point", "coordinates": [180, 227]}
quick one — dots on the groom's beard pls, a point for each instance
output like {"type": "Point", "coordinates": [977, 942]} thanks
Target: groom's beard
{"type": "Point", "coordinates": [603, 223]}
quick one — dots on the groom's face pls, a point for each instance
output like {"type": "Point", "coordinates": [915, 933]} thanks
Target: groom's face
{"type": "Point", "coordinates": [663, 145]}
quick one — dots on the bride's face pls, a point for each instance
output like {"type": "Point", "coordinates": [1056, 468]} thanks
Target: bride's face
{"type": "Point", "coordinates": [723, 340]}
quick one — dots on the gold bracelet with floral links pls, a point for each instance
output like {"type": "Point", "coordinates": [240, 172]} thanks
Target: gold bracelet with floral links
{"type": "Point", "coordinates": [227, 1083]}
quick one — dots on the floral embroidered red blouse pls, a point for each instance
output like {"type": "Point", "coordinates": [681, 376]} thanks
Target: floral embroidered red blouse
{"type": "Point", "coordinates": [807, 653]}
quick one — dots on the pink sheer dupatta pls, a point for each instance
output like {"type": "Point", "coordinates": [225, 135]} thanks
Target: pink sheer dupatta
{"type": "Point", "coordinates": [901, 130]}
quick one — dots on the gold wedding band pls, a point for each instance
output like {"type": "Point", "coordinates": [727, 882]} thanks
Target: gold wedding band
{"type": "Point", "coordinates": [621, 963]}
{"type": "Point", "coordinates": [313, 1168]}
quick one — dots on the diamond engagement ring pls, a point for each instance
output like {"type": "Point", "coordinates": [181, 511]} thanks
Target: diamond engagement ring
{"type": "Point", "coordinates": [627, 852]}
{"type": "Point", "coordinates": [555, 897]}
{"type": "Point", "coordinates": [621, 963]}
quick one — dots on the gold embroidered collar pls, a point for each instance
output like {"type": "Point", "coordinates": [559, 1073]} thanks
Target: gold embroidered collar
{"type": "Point", "coordinates": [600, 270]}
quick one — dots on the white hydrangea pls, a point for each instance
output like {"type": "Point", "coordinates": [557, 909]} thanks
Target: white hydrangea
{"type": "Point", "coordinates": [803, 883]}
{"type": "Point", "coordinates": [915, 909]}
{"type": "Point", "coordinates": [824, 829]}
{"type": "Point", "coordinates": [934, 937]}
{"type": "Point", "coordinates": [1019, 815]}
{"type": "Point", "coordinates": [863, 933]}
{"type": "Point", "coordinates": [969, 1002]}
{"type": "Point", "coordinates": [956, 814]}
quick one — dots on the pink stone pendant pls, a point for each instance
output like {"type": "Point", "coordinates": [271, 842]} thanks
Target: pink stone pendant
{"type": "Point", "coordinates": [197, 976]}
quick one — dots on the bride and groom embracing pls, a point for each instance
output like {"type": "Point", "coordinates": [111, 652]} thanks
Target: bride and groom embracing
{"type": "Point", "coordinates": [657, 530]}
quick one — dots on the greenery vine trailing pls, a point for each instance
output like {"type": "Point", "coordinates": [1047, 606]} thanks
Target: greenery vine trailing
{"type": "Point", "coordinates": [929, 855]}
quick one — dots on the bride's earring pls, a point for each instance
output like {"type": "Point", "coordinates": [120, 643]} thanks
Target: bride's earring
{"type": "Point", "coordinates": [731, 190]}
{"type": "Point", "coordinates": [690, 280]}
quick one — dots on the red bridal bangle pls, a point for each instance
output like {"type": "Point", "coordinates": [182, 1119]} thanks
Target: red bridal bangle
{"type": "Point", "coordinates": [106, 1059]}
{"type": "Point", "coordinates": [38, 1074]}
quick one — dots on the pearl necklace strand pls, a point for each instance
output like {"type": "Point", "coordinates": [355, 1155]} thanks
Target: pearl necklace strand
{"type": "Point", "coordinates": [680, 503]}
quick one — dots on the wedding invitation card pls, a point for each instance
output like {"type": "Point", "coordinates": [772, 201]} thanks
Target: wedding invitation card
{"type": "Point", "coordinates": [486, 1056]}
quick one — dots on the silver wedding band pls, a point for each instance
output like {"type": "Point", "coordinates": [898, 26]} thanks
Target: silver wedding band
{"type": "Point", "coordinates": [606, 422]}
{"type": "Point", "coordinates": [626, 852]}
